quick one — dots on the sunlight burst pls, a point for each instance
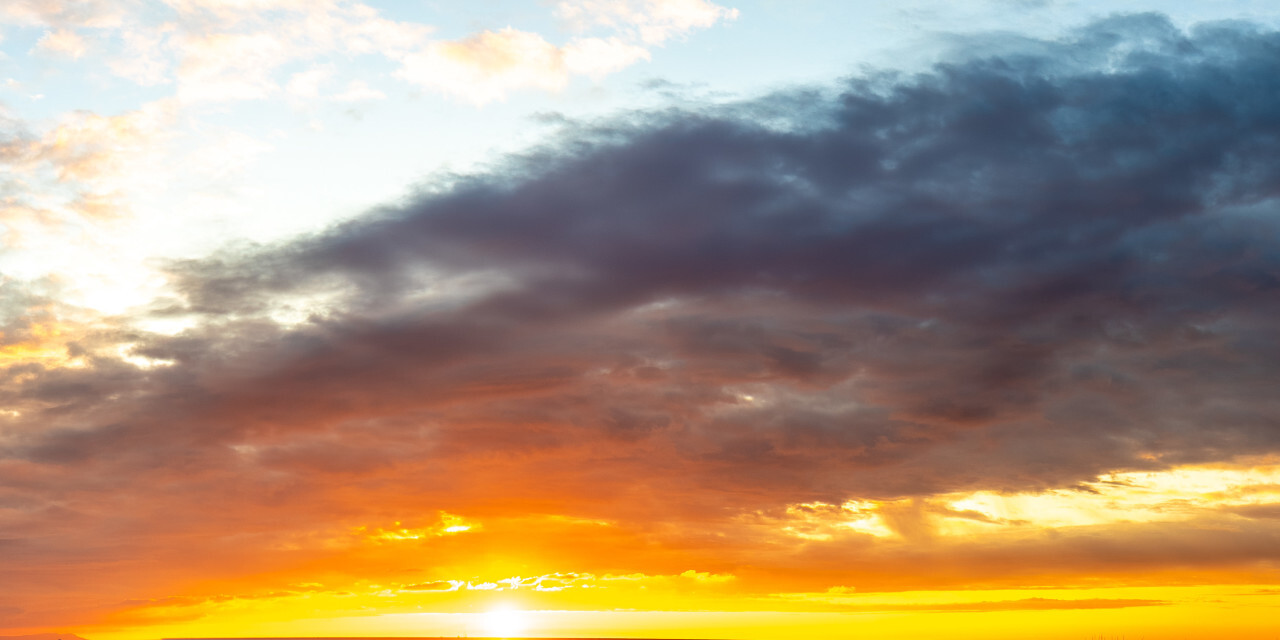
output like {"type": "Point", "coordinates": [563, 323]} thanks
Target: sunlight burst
{"type": "Point", "coordinates": [505, 622]}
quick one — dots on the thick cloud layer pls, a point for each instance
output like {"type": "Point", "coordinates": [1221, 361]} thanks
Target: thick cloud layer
{"type": "Point", "coordinates": [1013, 273]}
{"type": "Point", "coordinates": [1076, 260]}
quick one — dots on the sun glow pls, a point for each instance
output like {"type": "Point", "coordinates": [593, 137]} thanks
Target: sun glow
{"type": "Point", "coordinates": [505, 622]}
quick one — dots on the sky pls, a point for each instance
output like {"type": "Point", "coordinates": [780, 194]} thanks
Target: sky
{"type": "Point", "coordinates": [640, 318]}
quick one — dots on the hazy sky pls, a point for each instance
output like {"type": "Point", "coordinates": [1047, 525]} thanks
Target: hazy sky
{"type": "Point", "coordinates": [639, 317]}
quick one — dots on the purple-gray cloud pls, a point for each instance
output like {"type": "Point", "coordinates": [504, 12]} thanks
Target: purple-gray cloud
{"type": "Point", "coordinates": [1070, 264]}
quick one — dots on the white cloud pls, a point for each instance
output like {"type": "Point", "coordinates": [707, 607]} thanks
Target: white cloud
{"type": "Point", "coordinates": [65, 14]}
{"type": "Point", "coordinates": [145, 60]}
{"type": "Point", "coordinates": [233, 9]}
{"type": "Point", "coordinates": [306, 84]}
{"type": "Point", "coordinates": [597, 57]}
{"type": "Point", "coordinates": [239, 57]}
{"type": "Point", "coordinates": [232, 50]}
{"type": "Point", "coordinates": [223, 66]}
{"type": "Point", "coordinates": [91, 149]}
{"type": "Point", "coordinates": [650, 21]}
{"type": "Point", "coordinates": [62, 42]}
{"type": "Point", "coordinates": [485, 66]}
{"type": "Point", "coordinates": [358, 91]}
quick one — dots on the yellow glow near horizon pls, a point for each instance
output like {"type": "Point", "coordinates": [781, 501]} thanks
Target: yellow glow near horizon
{"type": "Point", "coordinates": [1240, 612]}
{"type": "Point", "coordinates": [387, 598]}
{"type": "Point", "coordinates": [505, 621]}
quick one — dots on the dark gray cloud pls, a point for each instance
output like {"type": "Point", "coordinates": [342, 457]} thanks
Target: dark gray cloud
{"type": "Point", "coordinates": [1075, 239]}
{"type": "Point", "coordinates": [1026, 245]}
{"type": "Point", "coordinates": [1069, 251]}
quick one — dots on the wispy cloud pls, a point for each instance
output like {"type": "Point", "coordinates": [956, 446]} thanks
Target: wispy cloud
{"type": "Point", "coordinates": [649, 21]}
{"type": "Point", "coordinates": [67, 14]}
{"type": "Point", "coordinates": [62, 42]}
{"type": "Point", "coordinates": [486, 66]}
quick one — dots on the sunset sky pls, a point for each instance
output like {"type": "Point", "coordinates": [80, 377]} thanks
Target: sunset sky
{"type": "Point", "coordinates": [764, 319]}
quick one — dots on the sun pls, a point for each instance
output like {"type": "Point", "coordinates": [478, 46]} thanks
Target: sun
{"type": "Point", "coordinates": [505, 622]}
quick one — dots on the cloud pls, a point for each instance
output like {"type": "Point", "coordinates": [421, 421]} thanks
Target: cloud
{"type": "Point", "coordinates": [1015, 273]}
{"type": "Point", "coordinates": [222, 51]}
{"type": "Point", "coordinates": [1011, 265]}
{"type": "Point", "coordinates": [597, 57]}
{"type": "Point", "coordinates": [306, 84]}
{"type": "Point", "coordinates": [649, 21]}
{"type": "Point", "coordinates": [1028, 604]}
{"type": "Point", "coordinates": [216, 50]}
{"type": "Point", "coordinates": [1263, 511]}
{"type": "Point", "coordinates": [706, 576]}
{"type": "Point", "coordinates": [486, 66]}
{"type": "Point", "coordinates": [992, 263]}
{"type": "Point", "coordinates": [74, 175]}
{"type": "Point", "coordinates": [45, 636]}
{"type": "Point", "coordinates": [358, 91]}
{"type": "Point", "coordinates": [66, 13]}
{"type": "Point", "coordinates": [230, 51]}
{"type": "Point", "coordinates": [86, 147]}
{"type": "Point", "coordinates": [144, 57]}
{"type": "Point", "coordinates": [84, 150]}
{"type": "Point", "coordinates": [440, 585]}
{"type": "Point", "coordinates": [62, 42]}
{"type": "Point", "coordinates": [230, 66]}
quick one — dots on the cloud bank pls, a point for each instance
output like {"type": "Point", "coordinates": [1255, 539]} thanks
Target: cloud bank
{"type": "Point", "coordinates": [1014, 273]}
